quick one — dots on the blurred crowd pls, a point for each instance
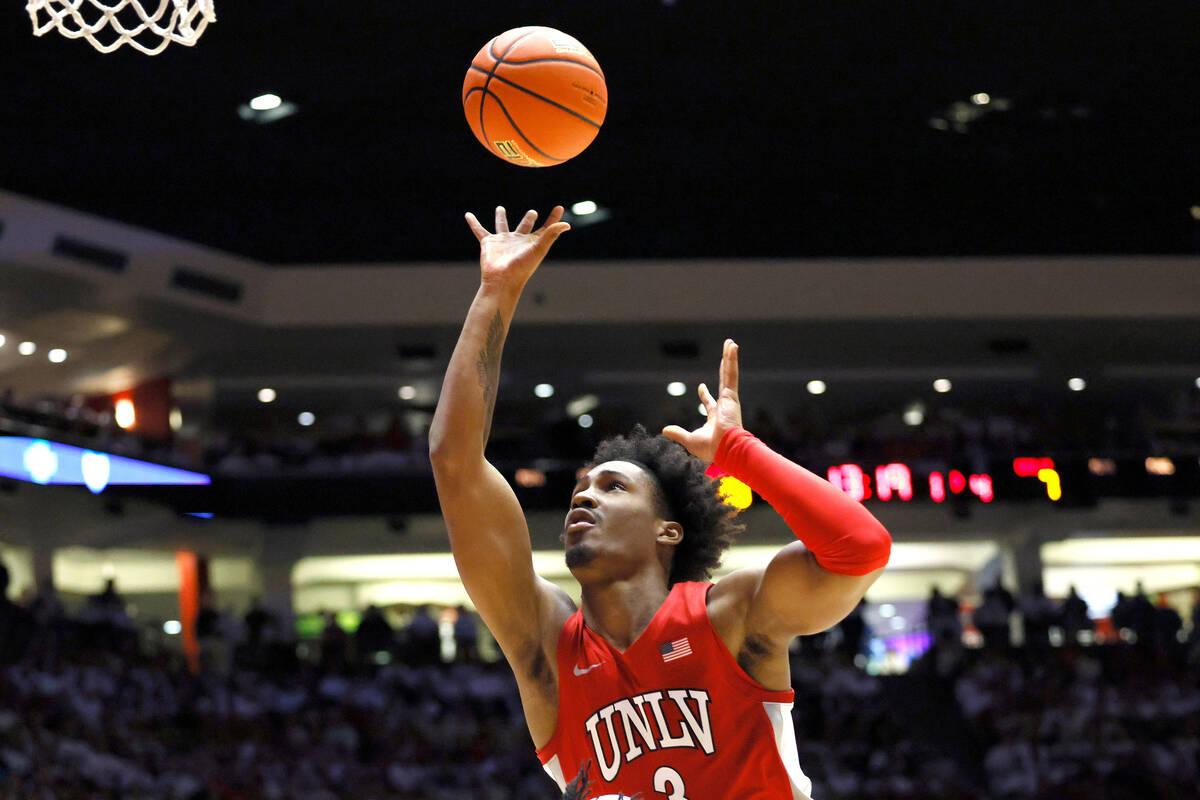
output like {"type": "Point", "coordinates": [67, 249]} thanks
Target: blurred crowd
{"type": "Point", "coordinates": [93, 706]}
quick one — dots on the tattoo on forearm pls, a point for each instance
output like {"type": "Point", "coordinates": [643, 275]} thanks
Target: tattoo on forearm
{"type": "Point", "coordinates": [487, 366]}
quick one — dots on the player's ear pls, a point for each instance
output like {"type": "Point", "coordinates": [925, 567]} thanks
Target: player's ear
{"type": "Point", "coordinates": [670, 533]}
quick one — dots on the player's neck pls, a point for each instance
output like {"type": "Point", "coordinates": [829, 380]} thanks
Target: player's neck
{"type": "Point", "coordinates": [620, 610]}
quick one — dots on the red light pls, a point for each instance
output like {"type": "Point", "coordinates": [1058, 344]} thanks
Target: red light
{"type": "Point", "coordinates": [981, 487]}
{"type": "Point", "coordinates": [1030, 467]}
{"type": "Point", "coordinates": [937, 487]}
{"type": "Point", "coordinates": [889, 477]}
{"type": "Point", "coordinates": [852, 480]}
{"type": "Point", "coordinates": [957, 481]}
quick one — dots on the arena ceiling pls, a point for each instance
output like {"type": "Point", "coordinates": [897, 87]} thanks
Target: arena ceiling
{"type": "Point", "coordinates": [765, 129]}
{"type": "Point", "coordinates": [756, 131]}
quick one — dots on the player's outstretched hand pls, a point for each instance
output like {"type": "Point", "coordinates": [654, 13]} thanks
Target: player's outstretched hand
{"type": "Point", "coordinates": [509, 258]}
{"type": "Point", "coordinates": [723, 412]}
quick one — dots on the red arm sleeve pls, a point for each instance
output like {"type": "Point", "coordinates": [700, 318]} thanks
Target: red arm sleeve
{"type": "Point", "coordinates": [838, 530]}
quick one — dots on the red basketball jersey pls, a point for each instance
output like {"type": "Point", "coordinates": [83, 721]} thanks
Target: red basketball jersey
{"type": "Point", "coordinates": [673, 717]}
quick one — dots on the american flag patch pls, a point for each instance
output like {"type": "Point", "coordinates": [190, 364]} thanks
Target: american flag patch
{"type": "Point", "coordinates": [676, 649]}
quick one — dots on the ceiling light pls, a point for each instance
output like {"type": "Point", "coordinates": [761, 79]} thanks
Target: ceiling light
{"type": "Point", "coordinates": [266, 395]}
{"type": "Point", "coordinates": [703, 411]}
{"type": "Point", "coordinates": [1077, 384]}
{"type": "Point", "coordinates": [306, 418]}
{"type": "Point", "coordinates": [1196, 213]}
{"type": "Point", "coordinates": [266, 108]}
{"type": "Point", "coordinates": [1157, 465]}
{"type": "Point", "coordinates": [27, 348]}
{"type": "Point", "coordinates": [172, 627]}
{"type": "Point", "coordinates": [57, 355]}
{"type": "Point", "coordinates": [676, 388]}
{"type": "Point", "coordinates": [981, 98]}
{"type": "Point", "coordinates": [543, 390]}
{"type": "Point", "coordinates": [1198, 383]}
{"type": "Point", "coordinates": [2, 340]}
{"type": "Point", "coordinates": [408, 392]}
{"type": "Point", "coordinates": [914, 415]}
{"type": "Point", "coordinates": [816, 387]}
{"type": "Point", "coordinates": [124, 414]}
{"type": "Point", "coordinates": [887, 611]}
{"type": "Point", "coordinates": [583, 208]}
{"type": "Point", "coordinates": [941, 385]}
{"type": "Point", "coordinates": [266, 102]}
{"type": "Point", "coordinates": [582, 404]}
{"type": "Point", "coordinates": [585, 420]}
{"type": "Point", "coordinates": [175, 419]}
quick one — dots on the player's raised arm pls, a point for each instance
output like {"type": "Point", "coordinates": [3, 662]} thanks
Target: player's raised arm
{"type": "Point", "coordinates": [809, 585]}
{"type": "Point", "coordinates": [488, 533]}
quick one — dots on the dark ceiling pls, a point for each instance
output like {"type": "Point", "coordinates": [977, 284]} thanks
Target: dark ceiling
{"type": "Point", "coordinates": [734, 129]}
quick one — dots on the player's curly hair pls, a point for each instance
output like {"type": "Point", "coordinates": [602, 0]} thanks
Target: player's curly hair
{"type": "Point", "coordinates": [688, 496]}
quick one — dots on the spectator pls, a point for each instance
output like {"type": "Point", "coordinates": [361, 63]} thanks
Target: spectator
{"type": "Point", "coordinates": [991, 618]}
{"type": "Point", "coordinates": [942, 613]}
{"type": "Point", "coordinates": [16, 624]}
{"type": "Point", "coordinates": [334, 644]}
{"type": "Point", "coordinates": [373, 634]}
{"type": "Point", "coordinates": [466, 635]}
{"type": "Point", "coordinates": [422, 640]}
{"type": "Point", "coordinates": [1073, 614]}
{"type": "Point", "coordinates": [1038, 614]}
{"type": "Point", "coordinates": [257, 620]}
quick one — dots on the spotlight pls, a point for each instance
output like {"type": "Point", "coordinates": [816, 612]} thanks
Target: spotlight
{"type": "Point", "coordinates": [266, 395]}
{"type": "Point", "coordinates": [676, 388]}
{"type": "Point", "coordinates": [816, 387]}
{"type": "Point", "coordinates": [942, 385]}
{"type": "Point", "coordinates": [544, 390]}
{"type": "Point", "coordinates": [266, 102]}
{"type": "Point", "coordinates": [1077, 384]}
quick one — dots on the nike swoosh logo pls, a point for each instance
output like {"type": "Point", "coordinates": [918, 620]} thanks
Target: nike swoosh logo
{"type": "Point", "coordinates": [579, 671]}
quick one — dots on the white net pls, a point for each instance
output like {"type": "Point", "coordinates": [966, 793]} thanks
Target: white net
{"type": "Point", "coordinates": [108, 25]}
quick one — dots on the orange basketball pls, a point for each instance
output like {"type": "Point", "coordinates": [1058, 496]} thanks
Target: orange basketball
{"type": "Point", "coordinates": [535, 96]}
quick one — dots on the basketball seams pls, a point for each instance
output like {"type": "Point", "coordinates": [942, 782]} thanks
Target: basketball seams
{"type": "Point", "coordinates": [532, 93]}
{"type": "Point", "coordinates": [583, 64]}
{"type": "Point", "coordinates": [496, 66]}
{"type": "Point", "coordinates": [511, 121]}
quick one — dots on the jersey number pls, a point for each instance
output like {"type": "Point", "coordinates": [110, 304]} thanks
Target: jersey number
{"type": "Point", "coordinates": [669, 782]}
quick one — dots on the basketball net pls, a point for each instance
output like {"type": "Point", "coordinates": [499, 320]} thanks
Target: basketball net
{"type": "Point", "coordinates": [108, 25]}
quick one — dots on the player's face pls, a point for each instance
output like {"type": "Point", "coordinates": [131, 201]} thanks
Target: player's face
{"type": "Point", "coordinates": [615, 517]}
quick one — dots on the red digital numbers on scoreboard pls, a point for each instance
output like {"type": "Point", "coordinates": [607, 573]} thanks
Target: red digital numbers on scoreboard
{"type": "Point", "coordinates": [893, 478]}
{"type": "Point", "coordinates": [895, 482]}
{"type": "Point", "coordinates": [851, 479]}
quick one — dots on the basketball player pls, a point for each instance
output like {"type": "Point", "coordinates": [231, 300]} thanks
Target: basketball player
{"type": "Point", "coordinates": [671, 687]}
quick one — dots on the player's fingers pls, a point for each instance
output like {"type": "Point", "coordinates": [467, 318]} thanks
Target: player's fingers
{"type": "Point", "coordinates": [476, 227]}
{"type": "Point", "coordinates": [676, 434]}
{"type": "Point", "coordinates": [554, 231]}
{"type": "Point", "coordinates": [527, 221]}
{"type": "Point", "coordinates": [501, 220]}
{"type": "Point", "coordinates": [729, 367]}
{"type": "Point", "coordinates": [556, 214]}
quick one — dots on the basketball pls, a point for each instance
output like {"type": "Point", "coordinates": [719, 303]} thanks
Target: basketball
{"type": "Point", "coordinates": [535, 96]}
